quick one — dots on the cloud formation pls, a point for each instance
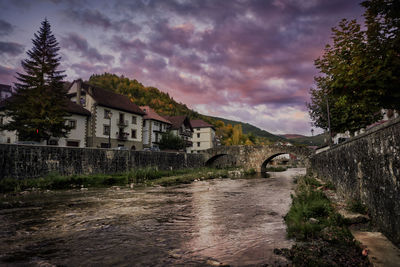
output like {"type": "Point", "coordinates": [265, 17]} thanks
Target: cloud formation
{"type": "Point", "coordinates": [250, 60]}
{"type": "Point", "coordinates": [80, 45]}
{"type": "Point", "coordinates": [11, 48]}
{"type": "Point", "coordinates": [5, 28]}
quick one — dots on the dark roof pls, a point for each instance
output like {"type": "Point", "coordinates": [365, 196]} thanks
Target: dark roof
{"type": "Point", "coordinates": [5, 88]}
{"type": "Point", "coordinates": [112, 100]}
{"type": "Point", "coordinates": [77, 109]}
{"type": "Point", "coordinates": [152, 115]}
{"type": "Point", "coordinates": [71, 107]}
{"type": "Point", "coordinates": [177, 122]}
{"type": "Point", "coordinates": [200, 124]}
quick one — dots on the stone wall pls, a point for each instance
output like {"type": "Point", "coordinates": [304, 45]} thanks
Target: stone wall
{"type": "Point", "coordinates": [25, 161]}
{"type": "Point", "coordinates": [367, 168]}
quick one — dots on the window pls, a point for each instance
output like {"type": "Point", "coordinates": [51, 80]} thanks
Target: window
{"type": "Point", "coordinates": [72, 124]}
{"type": "Point", "coordinates": [1, 120]}
{"type": "Point", "coordinates": [106, 129]}
{"type": "Point", "coordinates": [133, 134]}
{"type": "Point", "coordinates": [83, 101]}
{"type": "Point", "coordinates": [198, 144]}
{"type": "Point", "coordinates": [198, 135]}
{"type": "Point", "coordinates": [134, 120]}
{"type": "Point", "coordinates": [144, 123]}
{"type": "Point", "coordinates": [104, 145]}
{"type": "Point", "coordinates": [73, 143]}
{"type": "Point", "coordinates": [8, 140]}
{"type": "Point", "coordinates": [106, 112]}
{"type": "Point", "coordinates": [53, 142]}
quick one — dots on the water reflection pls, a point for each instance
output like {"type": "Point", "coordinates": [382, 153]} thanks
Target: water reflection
{"type": "Point", "coordinates": [237, 222]}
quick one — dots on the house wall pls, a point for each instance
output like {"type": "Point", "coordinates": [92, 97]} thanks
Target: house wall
{"type": "Point", "coordinates": [7, 136]}
{"type": "Point", "coordinates": [100, 121]}
{"type": "Point", "coordinates": [77, 134]}
{"type": "Point", "coordinates": [207, 135]}
{"type": "Point", "coordinates": [146, 133]}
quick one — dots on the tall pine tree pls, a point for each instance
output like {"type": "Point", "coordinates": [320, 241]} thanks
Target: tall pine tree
{"type": "Point", "coordinates": [38, 109]}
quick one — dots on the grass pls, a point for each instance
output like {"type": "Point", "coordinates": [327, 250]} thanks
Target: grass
{"type": "Point", "coordinates": [356, 206]}
{"type": "Point", "coordinates": [149, 175]}
{"type": "Point", "coordinates": [322, 237]}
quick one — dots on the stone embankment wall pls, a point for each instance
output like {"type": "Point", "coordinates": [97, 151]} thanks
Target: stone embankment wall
{"type": "Point", "coordinates": [25, 161]}
{"type": "Point", "coordinates": [367, 168]}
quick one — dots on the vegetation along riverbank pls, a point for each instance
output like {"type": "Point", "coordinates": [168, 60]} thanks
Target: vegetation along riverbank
{"type": "Point", "coordinates": [321, 234]}
{"type": "Point", "coordinates": [144, 176]}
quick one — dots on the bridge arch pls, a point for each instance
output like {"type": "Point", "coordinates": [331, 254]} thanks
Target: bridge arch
{"type": "Point", "coordinates": [265, 163]}
{"type": "Point", "coordinates": [255, 157]}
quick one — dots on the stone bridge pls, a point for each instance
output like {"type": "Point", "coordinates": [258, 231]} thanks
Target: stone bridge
{"type": "Point", "coordinates": [254, 157]}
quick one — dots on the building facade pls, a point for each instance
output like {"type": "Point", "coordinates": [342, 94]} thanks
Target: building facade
{"type": "Point", "coordinates": [154, 126]}
{"type": "Point", "coordinates": [180, 126]}
{"type": "Point", "coordinates": [115, 121]}
{"type": "Point", "coordinates": [203, 136]}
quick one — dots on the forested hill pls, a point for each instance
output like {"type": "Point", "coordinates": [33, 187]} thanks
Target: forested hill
{"type": "Point", "coordinates": [231, 132]}
{"type": "Point", "coordinates": [248, 128]}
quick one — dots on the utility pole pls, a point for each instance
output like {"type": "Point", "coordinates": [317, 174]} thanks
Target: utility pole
{"type": "Point", "coordinates": [109, 115]}
{"type": "Point", "coordinates": [329, 123]}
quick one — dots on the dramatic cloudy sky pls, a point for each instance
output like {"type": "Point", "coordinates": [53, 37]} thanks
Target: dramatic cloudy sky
{"type": "Point", "coordinates": [240, 59]}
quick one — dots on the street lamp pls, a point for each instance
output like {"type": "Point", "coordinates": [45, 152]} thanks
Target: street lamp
{"type": "Point", "coordinates": [109, 115]}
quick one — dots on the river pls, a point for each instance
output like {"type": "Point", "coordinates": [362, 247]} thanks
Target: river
{"type": "Point", "coordinates": [233, 221]}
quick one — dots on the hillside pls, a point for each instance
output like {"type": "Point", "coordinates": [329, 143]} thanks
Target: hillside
{"type": "Point", "coordinates": [231, 132]}
{"type": "Point", "coordinates": [248, 128]}
{"type": "Point", "coordinates": [317, 140]}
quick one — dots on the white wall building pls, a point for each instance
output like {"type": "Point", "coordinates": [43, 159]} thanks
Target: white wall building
{"type": "Point", "coordinates": [154, 126]}
{"type": "Point", "coordinates": [115, 119]}
{"type": "Point", "coordinates": [203, 136]}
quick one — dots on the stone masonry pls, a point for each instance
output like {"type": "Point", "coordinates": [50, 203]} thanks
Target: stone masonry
{"type": "Point", "coordinates": [367, 168]}
{"type": "Point", "coordinates": [26, 161]}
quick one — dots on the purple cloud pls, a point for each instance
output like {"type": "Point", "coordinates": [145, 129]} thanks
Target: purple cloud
{"type": "Point", "coordinates": [79, 44]}
{"type": "Point", "coordinates": [11, 48]}
{"type": "Point", "coordinates": [5, 28]}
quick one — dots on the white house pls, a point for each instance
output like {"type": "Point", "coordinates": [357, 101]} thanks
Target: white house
{"type": "Point", "coordinates": [76, 137]}
{"type": "Point", "coordinates": [154, 126]}
{"type": "Point", "coordinates": [115, 121]}
{"type": "Point", "coordinates": [203, 136]}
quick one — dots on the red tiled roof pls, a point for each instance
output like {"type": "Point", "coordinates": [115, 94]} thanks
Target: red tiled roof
{"type": "Point", "coordinates": [177, 121]}
{"type": "Point", "coordinates": [200, 124]}
{"type": "Point", "coordinates": [112, 100]}
{"type": "Point", "coordinates": [152, 115]}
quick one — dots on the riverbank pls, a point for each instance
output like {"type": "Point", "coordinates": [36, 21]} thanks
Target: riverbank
{"type": "Point", "coordinates": [321, 233]}
{"type": "Point", "coordinates": [145, 176]}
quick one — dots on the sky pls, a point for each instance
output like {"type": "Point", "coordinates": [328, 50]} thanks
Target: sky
{"type": "Point", "coordinates": [245, 60]}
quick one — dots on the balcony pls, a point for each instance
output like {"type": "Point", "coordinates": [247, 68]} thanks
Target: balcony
{"type": "Point", "coordinates": [185, 133]}
{"type": "Point", "coordinates": [122, 136]}
{"type": "Point", "coordinates": [122, 123]}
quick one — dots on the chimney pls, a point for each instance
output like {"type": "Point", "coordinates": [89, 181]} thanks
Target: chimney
{"type": "Point", "coordinates": [78, 92]}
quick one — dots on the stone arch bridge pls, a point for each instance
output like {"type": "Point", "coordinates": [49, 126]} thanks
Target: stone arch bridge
{"type": "Point", "coordinates": [255, 157]}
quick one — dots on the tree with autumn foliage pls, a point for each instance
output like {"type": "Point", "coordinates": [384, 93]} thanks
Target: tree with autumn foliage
{"type": "Point", "coordinates": [38, 108]}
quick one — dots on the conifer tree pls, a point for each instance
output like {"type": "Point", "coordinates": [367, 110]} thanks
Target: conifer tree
{"type": "Point", "coordinates": [38, 108]}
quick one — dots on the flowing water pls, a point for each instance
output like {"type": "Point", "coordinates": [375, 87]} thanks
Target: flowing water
{"type": "Point", "coordinates": [234, 221]}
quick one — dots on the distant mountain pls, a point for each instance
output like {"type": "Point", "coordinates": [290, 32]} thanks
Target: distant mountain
{"type": "Point", "coordinates": [316, 140]}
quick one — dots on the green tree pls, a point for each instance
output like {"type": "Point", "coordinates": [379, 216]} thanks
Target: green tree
{"type": "Point", "coordinates": [171, 141]}
{"type": "Point", "coordinates": [382, 18]}
{"type": "Point", "coordinates": [343, 84]}
{"type": "Point", "coordinates": [38, 108]}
